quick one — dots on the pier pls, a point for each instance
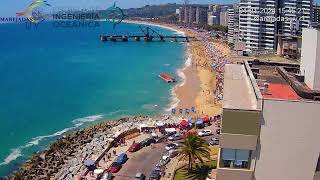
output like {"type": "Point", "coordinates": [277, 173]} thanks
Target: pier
{"type": "Point", "coordinates": [149, 35]}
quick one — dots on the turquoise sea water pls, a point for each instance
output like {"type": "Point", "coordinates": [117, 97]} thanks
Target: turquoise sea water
{"type": "Point", "coordinates": [55, 80]}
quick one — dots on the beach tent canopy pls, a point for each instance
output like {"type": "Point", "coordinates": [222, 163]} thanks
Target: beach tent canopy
{"type": "Point", "coordinates": [199, 121]}
{"type": "Point", "coordinates": [170, 130]}
{"type": "Point", "coordinates": [159, 124]}
{"type": "Point", "coordinates": [205, 119]}
{"type": "Point", "coordinates": [98, 171]}
{"type": "Point", "coordinates": [143, 125]}
{"type": "Point", "coordinates": [184, 123]}
{"type": "Point", "coordinates": [89, 162]}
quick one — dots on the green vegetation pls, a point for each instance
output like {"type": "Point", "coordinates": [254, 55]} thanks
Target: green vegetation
{"type": "Point", "coordinates": [199, 172]}
{"type": "Point", "coordinates": [194, 148]}
{"type": "Point", "coordinates": [214, 27]}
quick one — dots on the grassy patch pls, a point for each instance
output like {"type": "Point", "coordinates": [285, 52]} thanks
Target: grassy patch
{"type": "Point", "coordinates": [198, 172]}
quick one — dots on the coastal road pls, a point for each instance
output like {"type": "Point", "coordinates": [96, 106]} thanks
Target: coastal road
{"type": "Point", "coordinates": [142, 161]}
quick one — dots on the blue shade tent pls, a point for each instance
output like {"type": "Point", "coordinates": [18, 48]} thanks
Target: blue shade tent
{"type": "Point", "coordinates": [89, 162]}
{"type": "Point", "coordinates": [173, 110]}
{"type": "Point", "coordinates": [193, 109]}
{"type": "Point", "coordinates": [180, 111]}
{"type": "Point", "coordinates": [187, 110]}
{"type": "Point", "coordinates": [200, 121]}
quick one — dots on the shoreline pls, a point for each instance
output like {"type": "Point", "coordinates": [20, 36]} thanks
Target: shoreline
{"type": "Point", "coordinates": [199, 80]}
{"type": "Point", "coordinates": [196, 89]}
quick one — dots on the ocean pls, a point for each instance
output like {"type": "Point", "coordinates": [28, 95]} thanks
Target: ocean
{"type": "Point", "coordinates": [55, 80]}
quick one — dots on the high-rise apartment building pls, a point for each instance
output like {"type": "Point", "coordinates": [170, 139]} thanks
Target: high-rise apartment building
{"type": "Point", "coordinates": [181, 14]}
{"type": "Point", "coordinates": [233, 24]}
{"type": "Point", "coordinates": [223, 18]}
{"type": "Point", "coordinates": [297, 14]}
{"type": "Point", "coordinates": [316, 14]}
{"type": "Point", "coordinates": [201, 15]}
{"type": "Point", "coordinates": [256, 32]}
{"type": "Point", "coordinates": [192, 14]}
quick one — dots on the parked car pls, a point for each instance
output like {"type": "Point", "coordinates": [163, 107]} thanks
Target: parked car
{"type": "Point", "coordinates": [154, 175]}
{"type": "Point", "coordinates": [140, 176]}
{"type": "Point", "coordinates": [214, 141]}
{"type": "Point", "coordinates": [135, 147]}
{"type": "Point", "coordinates": [218, 131]}
{"type": "Point", "coordinates": [122, 158]}
{"type": "Point", "coordinates": [205, 132]}
{"type": "Point", "coordinates": [173, 153]}
{"type": "Point", "coordinates": [107, 176]}
{"type": "Point", "coordinates": [115, 167]}
{"type": "Point", "coordinates": [171, 146]}
{"type": "Point", "coordinates": [164, 160]}
{"type": "Point", "coordinates": [147, 142]}
{"type": "Point", "coordinates": [175, 137]}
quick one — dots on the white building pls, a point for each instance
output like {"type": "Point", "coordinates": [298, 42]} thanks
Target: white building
{"type": "Point", "coordinates": [270, 125]}
{"type": "Point", "coordinates": [257, 33]}
{"type": "Point", "coordinates": [298, 13]}
{"type": "Point", "coordinates": [233, 24]}
{"type": "Point", "coordinates": [223, 18]}
{"type": "Point", "coordinates": [310, 57]}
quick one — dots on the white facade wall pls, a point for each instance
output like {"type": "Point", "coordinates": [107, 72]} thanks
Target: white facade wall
{"type": "Point", "coordinates": [310, 57]}
{"type": "Point", "coordinates": [289, 141]}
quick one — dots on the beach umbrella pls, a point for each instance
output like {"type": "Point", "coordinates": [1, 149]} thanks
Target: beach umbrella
{"type": "Point", "coordinates": [173, 110]}
{"type": "Point", "coordinates": [193, 109]}
{"type": "Point", "coordinates": [184, 123]}
{"type": "Point", "coordinates": [89, 162]}
{"type": "Point", "coordinates": [98, 171]}
{"type": "Point", "coordinates": [199, 121]}
{"type": "Point", "coordinates": [160, 124]}
{"type": "Point", "coordinates": [187, 110]}
{"type": "Point", "coordinates": [205, 119]}
{"type": "Point", "coordinates": [180, 111]}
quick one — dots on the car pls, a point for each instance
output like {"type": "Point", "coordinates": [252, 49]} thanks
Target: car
{"type": "Point", "coordinates": [175, 137]}
{"type": "Point", "coordinates": [164, 160]}
{"type": "Point", "coordinates": [205, 132]}
{"type": "Point", "coordinates": [218, 131]}
{"type": "Point", "coordinates": [214, 141]}
{"type": "Point", "coordinates": [173, 153]}
{"type": "Point", "coordinates": [140, 176]}
{"type": "Point", "coordinates": [107, 176]}
{"type": "Point", "coordinates": [147, 142]}
{"type": "Point", "coordinates": [172, 146]}
{"type": "Point", "coordinates": [115, 167]}
{"type": "Point", "coordinates": [122, 158]}
{"type": "Point", "coordinates": [154, 175]}
{"type": "Point", "coordinates": [135, 147]}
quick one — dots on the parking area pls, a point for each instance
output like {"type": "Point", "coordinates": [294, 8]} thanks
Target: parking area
{"type": "Point", "coordinates": [143, 161]}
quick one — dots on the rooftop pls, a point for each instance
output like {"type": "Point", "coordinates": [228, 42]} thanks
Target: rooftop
{"type": "Point", "coordinates": [238, 91]}
{"type": "Point", "coordinates": [271, 84]}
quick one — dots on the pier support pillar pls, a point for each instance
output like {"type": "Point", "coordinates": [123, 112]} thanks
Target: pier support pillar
{"type": "Point", "coordinates": [162, 39]}
{"type": "Point", "coordinates": [112, 38]}
{"type": "Point", "coordinates": [187, 39]}
{"type": "Point", "coordinates": [137, 38]}
{"type": "Point", "coordinates": [125, 38]}
{"type": "Point", "coordinates": [174, 39]}
{"type": "Point", "coordinates": [103, 38]}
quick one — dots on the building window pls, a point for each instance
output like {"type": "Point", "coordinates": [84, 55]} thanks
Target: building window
{"type": "Point", "coordinates": [235, 158]}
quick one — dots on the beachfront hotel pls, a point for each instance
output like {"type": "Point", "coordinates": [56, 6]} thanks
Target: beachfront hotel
{"type": "Point", "coordinates": [270, 126]}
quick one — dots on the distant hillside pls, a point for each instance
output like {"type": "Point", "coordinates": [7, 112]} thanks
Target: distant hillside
{"type": "Point", "coordinates": [151, 11]}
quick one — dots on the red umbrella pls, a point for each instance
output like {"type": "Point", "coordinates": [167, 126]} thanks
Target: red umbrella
{"type": "Point", "coordinates": [205, 119]}
{"type": "Point", "coordinates": [184, 123]}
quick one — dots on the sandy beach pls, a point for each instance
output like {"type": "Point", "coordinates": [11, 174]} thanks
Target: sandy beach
{"type": "Point", "coordinates": [198, 90]}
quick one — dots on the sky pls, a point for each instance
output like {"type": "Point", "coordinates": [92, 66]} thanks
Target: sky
{"type": "Point", "coordinates": [10, 7]}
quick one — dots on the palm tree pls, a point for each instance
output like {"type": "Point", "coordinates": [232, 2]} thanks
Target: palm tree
{"type": "Point", "coordinates": [194, 148]}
